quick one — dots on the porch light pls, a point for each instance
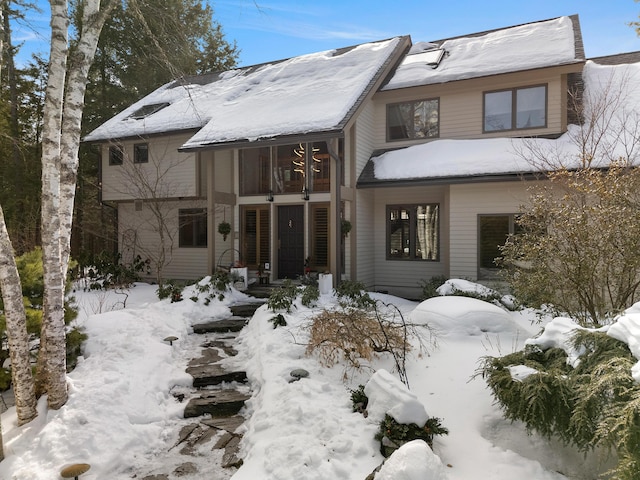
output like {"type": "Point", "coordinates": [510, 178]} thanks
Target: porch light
{"type": "Point", "coordinates": [270, 196]}
{"type": "Point", "coordinates": [305, 193]}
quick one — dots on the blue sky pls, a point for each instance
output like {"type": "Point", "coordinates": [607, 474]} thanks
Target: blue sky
{"type": "Point", "coordinates": [268, 30]}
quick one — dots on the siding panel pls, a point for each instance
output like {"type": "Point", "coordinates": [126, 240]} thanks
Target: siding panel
{"type": "Point", "coordinates": [177, 172]}
{"type": "Point", "coordinates": [138, 236]}
{"type": "Point", "coordinates": [467, 202]}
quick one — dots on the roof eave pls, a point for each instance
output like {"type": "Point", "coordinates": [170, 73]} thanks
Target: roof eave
{"type": "Point", "coordinates": [451, 180]}
{"type": "Point", "coordinates": [267, 141]}
{"type": "Point", "coordinates": [101, 140]}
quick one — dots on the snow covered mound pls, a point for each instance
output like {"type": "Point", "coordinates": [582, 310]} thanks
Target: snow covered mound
{"type": "Point", "coordinates": [413, 461]}
{"type": "Point", "coordinates": [463, 315]}
{"type": "Point", "coordinates": [387, 394]}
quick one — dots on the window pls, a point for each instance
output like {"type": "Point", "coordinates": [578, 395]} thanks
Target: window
{"type": "Point", "coordinates": [413, 120]}
{"type": "Point", "coordinates": [493, 231]}
{"type": "Point", "coordinates": [319, 165]}
{"type": "Point", "coordinates": [116, 155]}
{"type": "Point", "coordinates": [141, 153]}
{"type": "Point", "coordinates": [255, 170]}
{"type": "Point", "coordinates": [147, 110]}
{"type": "Point", "coordinates": [193, 227]}
{"type": "Point", "coordinates": [256, 246]}
{"type": "Point", "coordinates": [320, 237]}
{"type": "Point", "coordinates": [287, 168]}
{"type": "Point", "coordinates": [515, 109]}
{"type": "Point", "coordinates": [413, 232]}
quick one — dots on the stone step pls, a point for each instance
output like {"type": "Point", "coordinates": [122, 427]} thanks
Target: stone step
{"type": "Point", "coordinates": [232, 324]}
{"type": "Point", "coordinates": [228, 350]}
{"type": "Point", "coordinates": [213, 374]}
{"type": "Point", "coordinates": [228, 424]}
{"type": "Point", "coordinates": [223, 403]}
{"type": "Point", "coordinates": [245, 309]}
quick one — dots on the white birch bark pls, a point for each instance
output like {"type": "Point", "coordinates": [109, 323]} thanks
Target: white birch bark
{"type": "Point", "coordinates": [15, 318]}
{"type": "Point", "coordinates": [16, 329]}
{"type": "Point", "coordinates": [61, 139]}
{"type": "Point", "coordinates": [52, 354]}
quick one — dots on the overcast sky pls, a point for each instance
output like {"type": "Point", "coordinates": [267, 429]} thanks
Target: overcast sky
{"type": "Point", "coordinates": [268, 30]}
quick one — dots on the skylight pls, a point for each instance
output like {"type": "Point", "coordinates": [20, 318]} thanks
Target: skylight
{"type": "Point", "coordinates": [430, 57]}
{"type": "Point", "coordinates": [147, 110]}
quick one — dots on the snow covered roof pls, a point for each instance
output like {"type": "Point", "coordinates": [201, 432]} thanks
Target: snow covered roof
{"type": "Point", "coordinates": [307, 94]}
{"type": "Point", "coordinates": [524, 47]}
{"type": "Point", "coordinates": [451, 160]}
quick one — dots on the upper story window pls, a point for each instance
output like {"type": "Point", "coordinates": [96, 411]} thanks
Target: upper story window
{"type": "Point", "coordinates": [116, 155]}
{"type": "Point", "coordinates": [413, 232]}
{"type": "Point", "coordinates": [413, 120]}
{"type": "Point", "coordinates": [515, 109]}
{"type": "Point", "coordinates": [141, 153]}
{"type": "Point", "coordinates": [255, 171]}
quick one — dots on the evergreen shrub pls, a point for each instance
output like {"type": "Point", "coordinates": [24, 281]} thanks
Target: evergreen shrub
{"type": "Point", "coordinates": [595, 404]}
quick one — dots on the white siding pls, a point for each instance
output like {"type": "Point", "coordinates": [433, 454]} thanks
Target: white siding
{"type": "Point", "coordinates": [178, 172]}
{"type": "Point", "coordinates": [402, 277]}
{"type": "Point", "coordinates": [138, 235]}
{"type": "Point", "coordinates": [466, 203]}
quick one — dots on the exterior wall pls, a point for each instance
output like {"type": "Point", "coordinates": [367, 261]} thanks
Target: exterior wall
{"type": "Point", "coordinates": [402, 277]}
{"type": "Point", "coordinates": [137, 235]}
{"type": "Point", "coordinates": [466, 203]}
{"type": "Point", "coordinates": [224, 251]}
{"type": "Point", "coordinates": [363, 140]}
{"type": "Point", "coordinates": [178, 171]}
{"type": "Point", "coordinates": [461, 105]}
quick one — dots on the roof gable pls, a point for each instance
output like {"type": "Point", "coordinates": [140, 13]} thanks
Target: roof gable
{"type": "Point", "coordinates": [524, 47]}
{"type": "Point", "coordinates": [306, 94]}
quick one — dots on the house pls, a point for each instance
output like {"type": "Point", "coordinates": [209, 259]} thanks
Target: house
{"type": "Point", "coordinates": [411, 144]}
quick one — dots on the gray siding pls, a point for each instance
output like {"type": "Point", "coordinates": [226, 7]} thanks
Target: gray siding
{"type": "Point", "coordinates": [138, 236]}
{"type": "Point", "coordinates": [467, 202]}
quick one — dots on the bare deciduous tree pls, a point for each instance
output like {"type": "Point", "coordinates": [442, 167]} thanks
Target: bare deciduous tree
{"type": "Point", "coordinates": [579, 245]}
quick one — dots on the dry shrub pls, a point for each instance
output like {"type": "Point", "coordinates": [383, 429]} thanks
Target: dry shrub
{"type": "Point", "coordinates": [354, 335]}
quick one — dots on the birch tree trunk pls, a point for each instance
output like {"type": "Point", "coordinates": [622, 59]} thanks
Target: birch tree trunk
{"type": "Point", "coordinates": [64, 101]}
{"type": "Point", "coordinates": [15, 317]}
{"type": "Point", "coordinates": [16, 329]}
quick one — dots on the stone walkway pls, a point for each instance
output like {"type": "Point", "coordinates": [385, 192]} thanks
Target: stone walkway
{"type": "Point", "coordinates": [209, 439]}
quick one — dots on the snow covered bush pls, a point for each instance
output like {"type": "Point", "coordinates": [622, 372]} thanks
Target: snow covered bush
{"type": "Point", "coordinates": [392, 434]}
{"type": "Point", "coordinates": [282, 298]}
{"type": "Point", "coordinates": [400, 416]}
{"type": "Point", "coordinates": [580, 389]}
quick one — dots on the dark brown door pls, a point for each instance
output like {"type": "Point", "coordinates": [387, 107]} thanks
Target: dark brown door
{"type": "Point", "coordinates": [290, 241]}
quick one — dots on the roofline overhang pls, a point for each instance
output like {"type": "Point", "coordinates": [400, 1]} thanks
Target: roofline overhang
{"type": "Point", "coordinates": [189, 131]}
{"type": "Point", "coordinates": [268, 141]}
{"type": "Point", "coordinates": [455, 180]}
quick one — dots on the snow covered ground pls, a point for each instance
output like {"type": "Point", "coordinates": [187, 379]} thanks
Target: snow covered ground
{"type": "Point", "coordinates": [121, 417]}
